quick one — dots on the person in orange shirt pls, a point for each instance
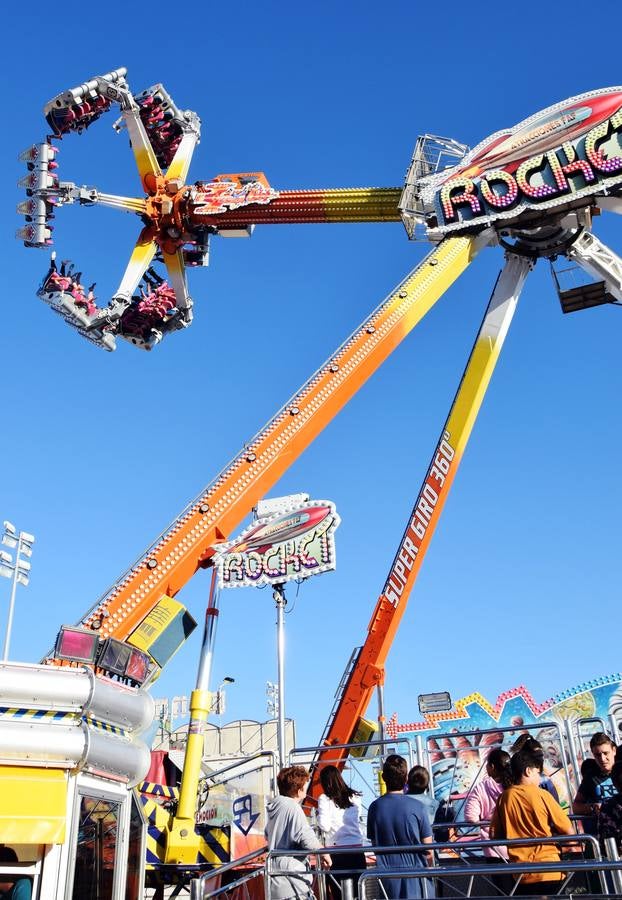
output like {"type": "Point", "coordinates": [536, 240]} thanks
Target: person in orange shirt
{"type": "Point", "coordinates": [524, 810]}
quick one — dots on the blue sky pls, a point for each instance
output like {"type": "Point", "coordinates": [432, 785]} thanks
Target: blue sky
{"type": "Point", "coordinates": [101, 451]}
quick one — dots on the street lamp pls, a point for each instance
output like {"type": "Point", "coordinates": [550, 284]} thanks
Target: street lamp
{"type": "Point", "coordinates": [18, 570]}
{"type": "Point", "coordinates": [218, 698]}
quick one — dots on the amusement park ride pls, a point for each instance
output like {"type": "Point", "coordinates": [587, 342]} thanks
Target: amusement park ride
{"type": "Point", "coordinates": [532, 189]}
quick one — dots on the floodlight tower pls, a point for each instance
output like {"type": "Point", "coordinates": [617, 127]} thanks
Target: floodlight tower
{"type": "Point", "coordinates": [18, 570]}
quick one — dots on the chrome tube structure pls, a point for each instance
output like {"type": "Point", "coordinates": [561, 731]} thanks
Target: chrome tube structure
{"type": "Point", "coordinates": [472, 870]}
{"type": "Point", "coordinates": [611, 851]}
{"type": "Point", "coordinates": [70, 719]}
{"type": "Point", "coordinates": [245, 760]}
{"type": "Point", "coordinates": [36, 687]}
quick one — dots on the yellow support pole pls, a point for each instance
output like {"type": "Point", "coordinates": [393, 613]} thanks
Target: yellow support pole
{"type": "Point", "coordinates": [182, 844]}
{"type": "Point", "coordinates": [182, 841]}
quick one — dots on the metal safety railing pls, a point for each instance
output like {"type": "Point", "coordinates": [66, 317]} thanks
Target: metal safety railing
{"type": "Point", "coordinates": [310, 754]}
{"type": "Point", "coordinates": [468, 874]}
{"type": "Point", "coordinates": [370, 887]}
{"type": "Point", "coordinates": [466, 863]}
{"type": "Point", "coordinates": [432, 154]}
{"type": "Point", "coordinates": [354, 754]}
{"type": "Point", "coordinates": [466, 858]}
{"type": "Point", "coordinates": [240, 764]}
{"type": "Point", "coordinates": [450, 751]}
{"type": "Point", "coordinates": [464, 825]}
{"type": "Point", "coordinates": [199, 887]}
{"type": "Point", "coordinates": [313, 870]}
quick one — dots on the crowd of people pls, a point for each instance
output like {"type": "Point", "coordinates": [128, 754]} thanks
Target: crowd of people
{"type": "Point", "coordinates": [514, 802]}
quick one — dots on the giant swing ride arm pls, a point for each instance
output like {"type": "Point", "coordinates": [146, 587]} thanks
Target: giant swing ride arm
{"type": "Point", "coordinates": [190, 541]}
{"type": "Point", "coordinates": [367, 671]}
{"type": "Point", "coordinates": [276, 447]}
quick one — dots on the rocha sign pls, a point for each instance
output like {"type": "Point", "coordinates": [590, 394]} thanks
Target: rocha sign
{"type": "Point", "coordinates": [290, 546]}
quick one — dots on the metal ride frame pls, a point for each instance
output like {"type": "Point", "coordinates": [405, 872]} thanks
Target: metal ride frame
{"type": "Point", "coordinates": [470, 868]}
{"type": "Point", "coordinates": [540, 212]}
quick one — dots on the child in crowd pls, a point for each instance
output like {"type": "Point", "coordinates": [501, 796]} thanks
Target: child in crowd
{"type": "Point", "coordinates": [417, 785]}
{"type": "Point", "coordinates": [526, 811]}
{"type": "Point", "coordinates": [527, 742]}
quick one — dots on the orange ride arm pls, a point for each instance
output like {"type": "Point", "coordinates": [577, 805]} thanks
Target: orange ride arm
{"type": "Point", "coordinates": [188, 543]}
{"type": "Point", "coordinates": [336, 205]}
{"type": "Point", "coordinates": [368, 669]}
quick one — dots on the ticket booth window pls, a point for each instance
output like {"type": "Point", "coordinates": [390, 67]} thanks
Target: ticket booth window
{"type": "Point", "coordinates": [96, 849]}
{"type": "Point", "coordinates": [134, 888]}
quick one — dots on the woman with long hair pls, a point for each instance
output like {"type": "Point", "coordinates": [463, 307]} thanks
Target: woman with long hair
{"type": "Point", "coordinates": [338, 817]}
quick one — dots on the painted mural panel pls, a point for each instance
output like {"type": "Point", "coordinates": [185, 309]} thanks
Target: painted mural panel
{"type": "Point", "coordinates": [458, 742]}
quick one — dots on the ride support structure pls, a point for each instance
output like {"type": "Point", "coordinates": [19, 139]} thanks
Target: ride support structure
{"type": "Point", "coordinates": [367, 669]}
{"type": "Point", "coordinates": [190, 543]}
{"type": "Point", "coordinates": [533, 189]}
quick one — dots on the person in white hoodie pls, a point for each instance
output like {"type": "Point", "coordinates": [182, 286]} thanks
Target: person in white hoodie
{"type": "Point", "coordinates": [287, 828]}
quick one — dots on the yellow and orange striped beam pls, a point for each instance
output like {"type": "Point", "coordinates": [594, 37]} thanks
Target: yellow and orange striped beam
{"type": "Point", "coordinates": [144, 154]}
{"type": "Point", "coordinates": [330, 205]}
{"type": "Point", "coordinates": [189, 542]}
{"type": "Point", "coordinates": [140, 260]}
{"type": "Point", "coordinates": [368, 669]}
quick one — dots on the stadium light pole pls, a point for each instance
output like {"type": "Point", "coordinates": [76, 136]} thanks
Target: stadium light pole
{"type": "Point", "coordinates": [18, 570]}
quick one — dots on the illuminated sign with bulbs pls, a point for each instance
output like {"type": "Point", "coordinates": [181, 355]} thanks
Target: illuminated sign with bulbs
{"type": "Point", "coordinates": [292, 545]}
{"type": "Point", "coordinates": [569, 151]}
